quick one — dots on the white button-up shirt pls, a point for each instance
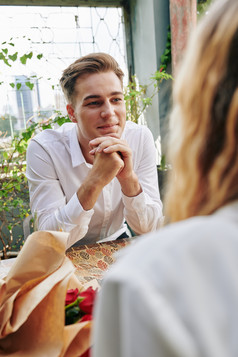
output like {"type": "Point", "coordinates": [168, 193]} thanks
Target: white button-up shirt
{"type": "Point", "coordinates": [173, 292]}
{"type": "Point", "coordinates": [55, 170]}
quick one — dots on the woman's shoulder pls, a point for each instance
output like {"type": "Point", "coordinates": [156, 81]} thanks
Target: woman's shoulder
{"type": "Point", "coordinates": [197, 236]}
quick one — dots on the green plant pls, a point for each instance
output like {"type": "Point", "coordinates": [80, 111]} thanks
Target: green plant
{"type": "Point", "coordinates": [202, 7]}
{"type": "Point", "coordinates": [14, 195]}
{"type": "Point", "coordinates": [136, 98]}
{"type": "Point", "coordinates": [166, 57]}
{"type": "Point", "coordinates": [13, 188]}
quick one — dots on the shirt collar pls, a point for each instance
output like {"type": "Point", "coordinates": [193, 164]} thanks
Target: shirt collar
{"type": "Point", "coordinates": [123, 133]}
{"type": "Point", "coordinates": [75, 149]}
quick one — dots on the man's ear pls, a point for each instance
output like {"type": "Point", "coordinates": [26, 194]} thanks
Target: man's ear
{"type": "Point", "coordinates": [70, 111]}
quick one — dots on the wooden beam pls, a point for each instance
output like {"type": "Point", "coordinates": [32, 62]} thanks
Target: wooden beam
{"type": "Point", "coordinates": [183, 18]}
{"type": "Point", "coordinates": [101, 3]}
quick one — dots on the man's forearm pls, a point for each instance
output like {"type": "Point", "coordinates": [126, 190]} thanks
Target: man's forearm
{"type": "Point", "coordinates": [130, 186]}
{"type": "Point", "coordinates": [88, 193]}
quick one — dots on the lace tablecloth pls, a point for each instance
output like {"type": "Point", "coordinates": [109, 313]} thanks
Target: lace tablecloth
{"type": "Point", "coordinates": [92, 261]}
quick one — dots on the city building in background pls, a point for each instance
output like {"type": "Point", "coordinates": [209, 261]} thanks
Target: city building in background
{"type": "Point", "coordinates": [24, 102]}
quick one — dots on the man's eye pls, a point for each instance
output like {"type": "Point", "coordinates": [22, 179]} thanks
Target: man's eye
{"type": "Point", "coordinates": [93, 103]}
{"type": "Point", "coordinates": [117, 100]}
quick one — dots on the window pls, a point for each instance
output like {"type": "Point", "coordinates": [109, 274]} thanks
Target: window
{"type": "Point", "coordinates": [61, 34]}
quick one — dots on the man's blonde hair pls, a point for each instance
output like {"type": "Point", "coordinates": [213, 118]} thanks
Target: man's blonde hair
{"type": "Point", "coordinates": [92, 63]}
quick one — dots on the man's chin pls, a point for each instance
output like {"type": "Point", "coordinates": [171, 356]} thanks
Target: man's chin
{"type": "Point", "coordinates": [113, 135]}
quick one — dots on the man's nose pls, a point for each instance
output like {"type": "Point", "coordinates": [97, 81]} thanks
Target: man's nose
{"type": "Point", "coordinates": [107, 110]}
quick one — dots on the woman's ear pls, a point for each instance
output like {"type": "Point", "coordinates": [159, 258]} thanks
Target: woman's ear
{"type": "Point", "coordinates": [70, 111]}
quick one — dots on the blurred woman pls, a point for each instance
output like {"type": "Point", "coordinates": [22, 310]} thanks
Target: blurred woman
{"type": "Point", "coordinates": [204, 135]}
{"type": "Point", "coordinates": [175, 291]}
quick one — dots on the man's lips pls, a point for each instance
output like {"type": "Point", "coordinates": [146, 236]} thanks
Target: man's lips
{"type": "Point", "coordinates": [110, 127]}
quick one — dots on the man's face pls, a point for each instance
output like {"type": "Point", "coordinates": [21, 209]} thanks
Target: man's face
{"type": "Point", "coordinates": [99, 108]}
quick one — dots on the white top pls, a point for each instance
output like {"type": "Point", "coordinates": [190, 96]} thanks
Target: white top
{"type": "Point", "coordinates": [56, 168]}
{"type": "Point", "coordinates": [173, 293]}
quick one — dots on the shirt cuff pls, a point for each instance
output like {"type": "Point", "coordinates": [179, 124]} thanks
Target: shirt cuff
{"type": "Point", "coordinates": [75, 212]}
{"type": "Point", "coordinates": [136, 203]}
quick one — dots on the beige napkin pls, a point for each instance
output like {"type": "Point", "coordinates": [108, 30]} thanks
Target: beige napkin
{"type": "Point", "coordinates": [32, 302]}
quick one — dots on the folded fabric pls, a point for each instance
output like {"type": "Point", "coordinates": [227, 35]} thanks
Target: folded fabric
{"type": "Point", "coordinates": [32, 298]}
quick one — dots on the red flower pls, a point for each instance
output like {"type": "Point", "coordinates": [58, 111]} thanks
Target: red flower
{"type": "Point", "coordinates": [71, 296]}
{"type": "Point", "coordinates": [79, 306]}
{"type": "Point", "coordinates": [87, 317]}
{"type": "Point", "coordinates": [86, 305]}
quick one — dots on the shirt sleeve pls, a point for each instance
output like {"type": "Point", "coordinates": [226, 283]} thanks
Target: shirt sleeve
{"type": "Point", "coordinates": [47, 200]}
{"type": "Point", "coordinates": [143, 213]}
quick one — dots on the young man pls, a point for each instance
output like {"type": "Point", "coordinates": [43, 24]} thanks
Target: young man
{"type": "Point", "coordinates": [98, 171]}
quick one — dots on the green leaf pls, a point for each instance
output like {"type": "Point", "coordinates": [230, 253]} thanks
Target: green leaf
{"type": "Point", "coordinates": [5, 156]}
{"type": "Point", "coordinates": [74, 303]}
{"type": "Point", "coordinates": [61, 120]}
{"type": "Point", "coordinates": [72, 315]}
{"type": "Point", "coordinates": [13, 57]}
{"type": "Point", "coordinates": [18, 86]}
{"type": "Point", "coordinates": [15, 203]}
{"type": "Point", "coordinates": [23, 59]}
{"type": "Point", "coordinates": [46, 126]}
{"type": "Point", "coordinates": [12, 85]}
{"type": "Point", "coordinates": [39, 56]}
{"type": "Point", "coordinates": [162, 163]}
{"type": "Point", "coordinates": [3, 58]}
{"type": "Point", "coordinates": [5, 50]}
{"type": "Point", "coordinates": [27, 135]}
{"type": "Point", "coordinates": [29, 85]}
{"type": "Point", "coordinates": [30, 54]}
{"type": "Point", "coordinates": [147, 101]}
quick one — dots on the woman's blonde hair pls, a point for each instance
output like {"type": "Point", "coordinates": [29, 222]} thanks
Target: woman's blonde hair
{"type": "Point", "coordinates": [203, 147]}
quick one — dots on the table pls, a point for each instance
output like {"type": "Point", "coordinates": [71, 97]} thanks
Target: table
{"type": "Point", "coordinates": [91, 261]}
{"type": "Point", "coordinates": [5, 266]}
